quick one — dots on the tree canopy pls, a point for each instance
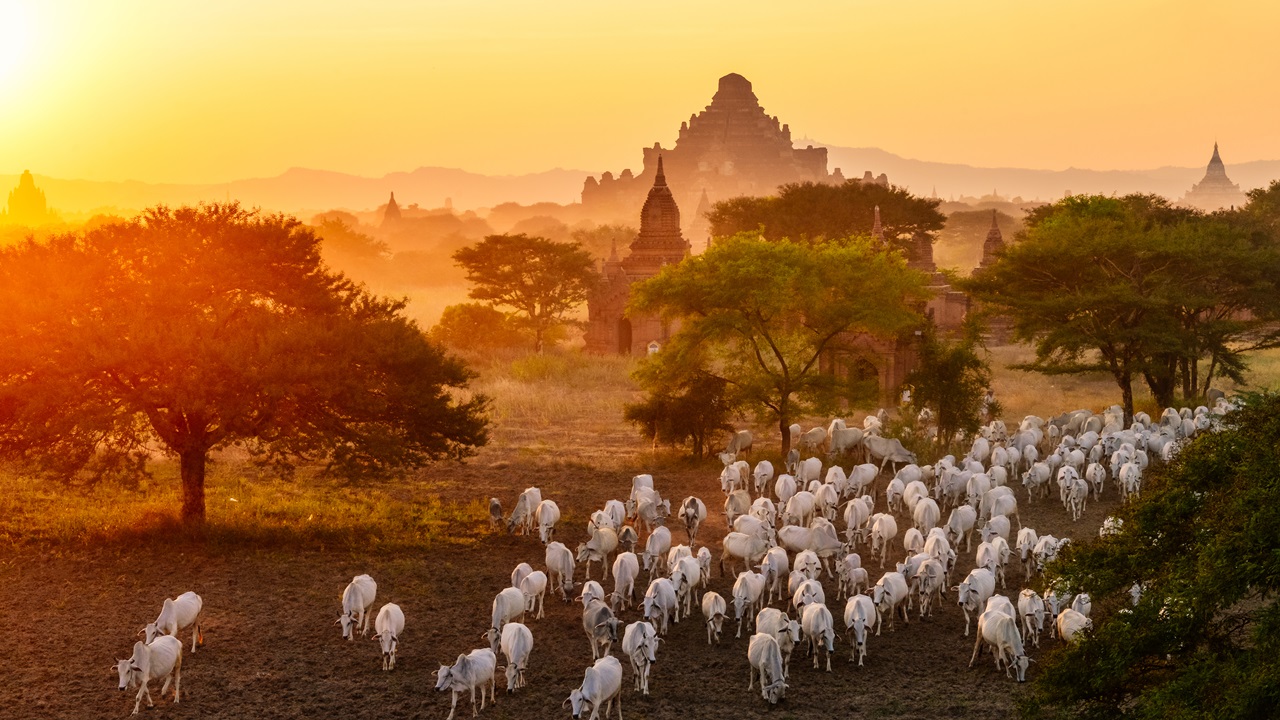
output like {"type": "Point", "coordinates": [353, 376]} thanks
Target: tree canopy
{"type": "Point", "coordinates": [810, 211]}
{"type": "Point", "coordinates": [1136, 288]}
{"type": "Point", "coordinates": [1204, 639]}
{"type": "Point", "coordinates": [951, 380]}
{"type": "Point", "coordinates": [762, 315]}
{"type": "Point", "coordinates": [198, 328]}
{"type": "Point", "coordinates": [539, 280]}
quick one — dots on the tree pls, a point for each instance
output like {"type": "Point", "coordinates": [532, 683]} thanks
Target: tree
{"type": "Point", "coordinates": [1204, 639]}
{"type": "Point", "coordinates": [809, 211]}
{"type": "Point", "coordinates": [691, 412]}
{"type": "Point", "coordinates": [1133, 287]}
{"type": "Point", "coordinates": [761, 316]}
{"type": "Point", "coordinates": [199, 328]}
{"type": "Point", "coordinates": [951, 380]}
{"type": "Point", "coordinates": [540, 280]}
{"type": "Point", "coordinates": [477, 328]}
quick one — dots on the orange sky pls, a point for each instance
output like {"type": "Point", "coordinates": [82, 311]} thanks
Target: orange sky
{"type": "Point", "coordinates": [166, 91]}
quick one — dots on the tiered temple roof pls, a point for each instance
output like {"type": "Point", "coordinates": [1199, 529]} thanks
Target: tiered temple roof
{"type": "Point", "coordinates": [1215, 191]}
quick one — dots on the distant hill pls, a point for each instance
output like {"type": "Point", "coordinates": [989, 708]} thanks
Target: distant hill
{"type": "Point", "coordinates": [303, 191]}
{"type": "Point", "coordinates": [922, 176]}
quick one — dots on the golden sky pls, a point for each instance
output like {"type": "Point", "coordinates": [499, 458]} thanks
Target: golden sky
{"type": "Point", "coordinates": [186, 91]}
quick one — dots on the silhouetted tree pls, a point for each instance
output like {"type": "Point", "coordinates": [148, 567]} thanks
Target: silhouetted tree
{"type": "Point", "coordinates": [475, 327]}
{"type": "Point", "coordinates": [690, 411]}
{"type": "Point", "coordinates": [951, 380]}
{"type": "Point", "coordinates": [809, 211]}
{"type": "Point", "coordinates": [198, 328]}
{"type": "Point", "coordinates": [540, 280]}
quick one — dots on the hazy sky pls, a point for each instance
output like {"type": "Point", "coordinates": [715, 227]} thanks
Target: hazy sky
{"type": "Point", "coordinates": [178, 90]}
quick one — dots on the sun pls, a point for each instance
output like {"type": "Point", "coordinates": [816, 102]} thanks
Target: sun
{"type": "Point", "coordinates": [15, 35]}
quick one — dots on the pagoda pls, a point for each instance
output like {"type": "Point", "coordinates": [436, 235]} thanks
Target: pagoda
{"type": "Point", "coordinates": [659, 242]}
{"type": "Point", "coordinates": [27, 204]}
{"type": "Point", "coordinates": [1215, 191]}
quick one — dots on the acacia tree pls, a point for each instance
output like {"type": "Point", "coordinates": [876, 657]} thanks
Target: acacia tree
{"type": "Point", "coordinates": [761, 316]}
{"type": "Point", "coordinates": [197, 328]}
{"type": "Point", "coordinates": [810, 211]}
{"type": "Point", "coordinates": [1203, 640]}
{"type": "Point", "coordinates": [540, 280]}
{"type": "Point", "coordinates": [1133, 287]}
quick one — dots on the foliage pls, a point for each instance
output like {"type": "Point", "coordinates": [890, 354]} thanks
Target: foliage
{"type": "Point", "coordinates": [762, 316]}
{"type": "Point", "coordinates": [690, 413]}
{"type": "Point", "coordinates": [951, 380]}
{"type": "Point", "coordinates": [347, 245]}
{"type": "Point", "coordinates": [540, 280]}
{"type": "Point", "coordinates": [199, 328]}
{"type": "Point", "coordinates": [1136, 288]}
{"type": "Point", "coordinates": [600, 241]}
{"type": "Point", "coordinates": [472, 327]}
{"type": "Point", "coordinates": [810, 212]}
{"type": "Point", "coordinates": [1204, 640]}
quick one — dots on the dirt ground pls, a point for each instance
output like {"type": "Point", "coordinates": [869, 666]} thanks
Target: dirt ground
{"type": "Point", "coordinates": [272, 650]}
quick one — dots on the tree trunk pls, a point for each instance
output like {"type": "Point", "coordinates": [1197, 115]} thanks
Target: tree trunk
{"type": "Point", "coordinates": [193, 466]}
{"type": "Point", "coordinates": [1125, 380]}
{"type": "Point", "coordinates": [537, 339]}
{"type": "Point", "coordinates": [785, 427]}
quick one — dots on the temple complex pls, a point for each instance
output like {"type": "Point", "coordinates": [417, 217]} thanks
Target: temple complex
{"type": "Point", "coordinates": [731, 148]}
{"type": "Point", "coordinates": [1215, 191]}
{"type": "Point", "coordinates": [27, 205]}
{"type": "Point", "coordinates": [609, 329]}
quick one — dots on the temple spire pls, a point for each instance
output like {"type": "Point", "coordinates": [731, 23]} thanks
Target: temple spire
{"type": "Point", "coordinates": [392, 215]}
{"type": "Point", "coordinates": [660, 180]}
{"type": "Point", "coordinates": [877, 231]}
{"type": "Point", "coordinates": [994, 225]}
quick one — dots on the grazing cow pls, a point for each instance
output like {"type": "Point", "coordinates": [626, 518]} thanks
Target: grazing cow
{"type": "Point", "coordinates": [765, 659]}
{"type": "Point", "coordinates": [659, 603]}
{"type": "Point", "coordinates": [973, 593]}
{"type": "Point", "coordinates": [601, 686]}
{"type": "Point", "coordinates": [761, 476]}
{"type": "Point", "coordinates": [522, 514]}
{"type": "Point", "coordinates": [547, 514]}
{"type": "Point", "coordinates": [714, 609]}
{"type": "Point", "coordinates": [357, 598]}
{"type": "Point", "coordinates": [470, 671]}
{"type": "Point", "coordinates": [516, 645]}
{"type": "Point", "coordinates": [1001, 632]}
{"type": "Point", "coordinates": [176, 614]}
{"type": "Point", "coordinates": [740, 443]}
{"type": "Point", "coordinates": [601, 627]}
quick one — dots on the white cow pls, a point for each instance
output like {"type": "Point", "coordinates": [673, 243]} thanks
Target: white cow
{"type": "Point", "coordinates": [176, 614]}
{"type": "Point", "coordinates": [762, 474]}
{"type": "Point", "coordinates": [161, 658]}
{"type": "Point", "coordinates": [473, 670]}
{"type": "Point", "coordinates": [714, 609]}
{"type": "Point", "coordinates": [819, 628]}
{"type": "Point", "coordinates": [973, 593]}
{"type": "Point", "coordinates": [626, 569]}
{"type": "Point", "coordinates": [388, 626]}
{"type": "Point", "coordinates": [1032, 611]}
{"type": "Point", "coordinates": [859, 616]}
{"type": "Point", "coordinates": [560, 566]}
{"type": "Point", "coordinates": [889, 594]}
{"type": "Point", "coordinates": [516, 645]}
{"type": "Point", "coordinates": [640, 644]}
{"type": "Point", "coordinates": [357, 598]}
{"type": "Point", "coordinates": [765, 660]}
{"type": "Point", "coordinates": [748, 591]}
{"type": "Point", "coordinates": [534, 589]}
{"type": "Point", "coordinates": [547, 514]}
{"type": "Point", "coordinates": [692, 511]}
{"type": "Point", "coordinates": [601, 686]}
{"type": "Point", "coordinates": [1001, 632]}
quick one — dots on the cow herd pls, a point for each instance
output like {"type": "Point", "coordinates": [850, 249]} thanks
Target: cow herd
{"type": "Point", "coordinates": [794, 547]}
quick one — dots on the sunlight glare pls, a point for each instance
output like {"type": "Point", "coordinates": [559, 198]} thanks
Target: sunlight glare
{"type": "Point", "coordinates": [14, 40]}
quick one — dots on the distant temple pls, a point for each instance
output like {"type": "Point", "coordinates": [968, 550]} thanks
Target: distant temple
{"type": "Point", "coordinates": [1215, 191]}
{"type": "Point", "coordinates": [609, 329]}
{"type": "Point", "coordinates": [391, 217]}
{"type": "Point", "coordinates": [27, 205]}
{"type": "Point", "coordinates": [994, 244]}
{"type": "Point", "coordinates": [731, 148]}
